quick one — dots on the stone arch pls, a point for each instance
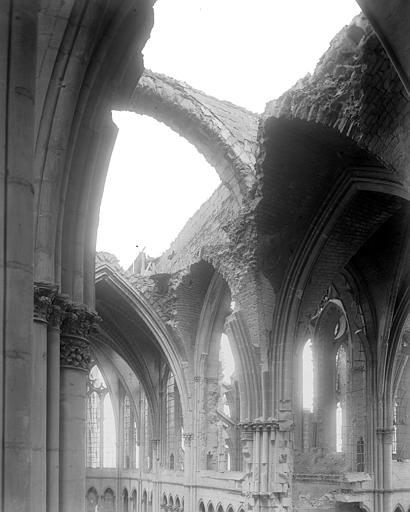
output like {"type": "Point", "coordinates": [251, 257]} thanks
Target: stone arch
{"type": "Point", "coordinates": [348, 111]}
{"type": "Point", "coordinates": [177, 503]}
{"type": "Point", "coordinates": [201, 506]}
{"type": "Point", "coordinates": [210, 507]}
{"type": "Point", "coordinates": [219, 508]}
{"type": "Point", "coordinates": [215, 309]}
{"type": "Point", "coordinates": [398, 508]}
{"type": "Point", "coordinates": [138, 306]}
{"type": "Point", "coordinates": [204, 122]}
{"type": "Point", "coordinates": [65, 241]}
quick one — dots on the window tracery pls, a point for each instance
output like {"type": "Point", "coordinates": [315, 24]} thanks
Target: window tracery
{"type": "Point", "coordinates": [100, 423]}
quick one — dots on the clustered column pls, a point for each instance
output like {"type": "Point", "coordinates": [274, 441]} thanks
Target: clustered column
{"type": "Point", "coordinates": [44, 294]}
{"type": "Point", "coordinates": [61, 360]}
{"type": "Point", "coordinates": [266, 450]}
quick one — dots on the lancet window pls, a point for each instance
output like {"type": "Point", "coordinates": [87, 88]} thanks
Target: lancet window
{"type": "Point", "coordinates": [100, 427]}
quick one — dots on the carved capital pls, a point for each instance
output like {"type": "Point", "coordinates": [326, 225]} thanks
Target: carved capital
{"type": "Point", "coordinates": [57, 310]}
{"type": "Point", "coordinates": [78, 320]}
{"type": "Point", "coordinates": [75, 353]}
{"type": "Point", "coordinates": [44, 294]}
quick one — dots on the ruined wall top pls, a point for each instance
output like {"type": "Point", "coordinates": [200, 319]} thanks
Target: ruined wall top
{"type": "Point", "coordinates": [224, 133]}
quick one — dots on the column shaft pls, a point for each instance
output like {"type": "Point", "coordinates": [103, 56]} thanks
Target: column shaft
{"type": "Point", "coordinates": [53, 418]}
{"type": "Point", "coordinates": [75, 363]}
{"type": "Point", "coordinates": [18, 26]}
{"type": "Point", "coordinates": [38, 417]}
{"type": "Point", "coordinates": [72, 439]}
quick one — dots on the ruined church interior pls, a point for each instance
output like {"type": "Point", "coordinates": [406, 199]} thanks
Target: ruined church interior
{"type": "Point", "coordinates": [261, 363]}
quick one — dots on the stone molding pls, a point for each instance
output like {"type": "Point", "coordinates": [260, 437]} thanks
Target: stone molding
{"type": "Point", "coordinates": [259, 425]}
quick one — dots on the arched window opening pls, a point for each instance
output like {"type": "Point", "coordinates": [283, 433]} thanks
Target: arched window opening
{"type": "Point", "coordinates": [401, 416]}
{"type": "Point", "coordinates": [394, 442]}
{"type": "Point", "coordinates": [308, 424]}
{"type": "Point", "coordinates": [182, 461]}
{"type": "Point", "coordinates": [130, 450]}
{"type": "Point", "coordinates": [134, 500]}
{"type": "Point", "coordinates": [144, 502]}
{"type": "Point", "coordinates": [339, 427]}
{"type": "Point", "coordinates": [136, 444]}
{"type": "Point", "coordinates": [360, 455]}
{"type": "Point", "coordinates": [226, 360]}
{"type": "Point", "coordinates": [174, 425]}
{"type": "Point", "coordinates": [201, 507]}
{"type": "Point", "coordinates": [150, 502]}
{"type": "Point", "coordinates": [307, 376]}
{"type": "Point", "coordinates": [101, 433]}
{"type": "Point", "coordinates": [92, 500]}
{"type": "Point", "coordinates": [225, 455]}
{"type": "Point", "coordinates": [228, 457]}
{"type": "Point", "coordinates": [341, 382]}
{"type": "Point", "coordinates": [146, 438]}
{"type": "Point", "coordinates": [125, 501]}
{"type": "Point", "coordinates": [333, 388]}
{"type": "Point", "coordinates": [109, 501]}
{"type": "Point", "coordinates": [126, 432]}
{"type": "Point", "coordinates": [93, 430]}
{"type": "Point", "coordinates": [109, 437]}
{"type": "Point", "coordinates": [170, 405]}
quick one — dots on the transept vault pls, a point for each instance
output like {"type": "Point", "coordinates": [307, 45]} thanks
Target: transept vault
{"type": "Point", "coordinates": [262, 362]}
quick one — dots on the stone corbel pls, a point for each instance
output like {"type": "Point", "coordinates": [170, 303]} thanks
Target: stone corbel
{"type": "Point", "coordinates": [44, 294]}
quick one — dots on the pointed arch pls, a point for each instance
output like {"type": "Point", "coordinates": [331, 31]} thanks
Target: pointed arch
{"type": "Point", "coordinates": [109, 282]}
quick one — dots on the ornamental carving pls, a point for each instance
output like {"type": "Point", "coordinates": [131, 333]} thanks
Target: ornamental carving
{"type": "Point", "coordinates": [79, 320]}
{"type": "Point", "coordinates": [57, 310]}
{"type": "Point", "coordinates": [44, 294]}
{"type": "Point", "coordinates": [188, 438]}
{"type": "Point", "coordinates": [75, 353]}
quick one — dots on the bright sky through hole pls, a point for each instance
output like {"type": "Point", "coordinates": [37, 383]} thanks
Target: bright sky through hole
{"type": "Point", "coordinates": [307, 376]}
{"type": "Point", "coordinates": [246, 52]}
